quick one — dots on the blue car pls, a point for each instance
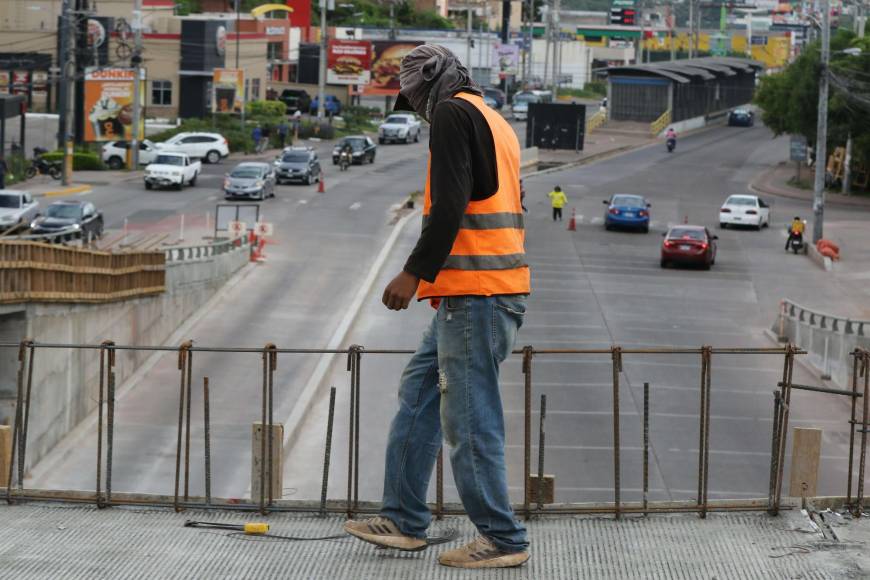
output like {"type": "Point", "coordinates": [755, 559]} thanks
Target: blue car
{"type": "Point", "coordinates": [627, 211]}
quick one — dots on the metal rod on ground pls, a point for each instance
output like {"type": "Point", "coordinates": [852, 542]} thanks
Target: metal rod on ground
{"type": "Point", "coordinates": [327, 453]}
{"type": "Point", "coordinates": [772, 508]}
{"type": "Point", "coordinates": [541, 442]}
{"type": "Point", "coordinates": [820, 164]}
{"type": "Point", "coordinates": [206, 420]}
{"type": "Point", "coordinates": [616, 356]}
{"type": "Point", "coordinates": [528, 352]}
{"type": "Point", "coordinates": [645, 444]}
{"type": "Point", "coordinates": [439, 485]}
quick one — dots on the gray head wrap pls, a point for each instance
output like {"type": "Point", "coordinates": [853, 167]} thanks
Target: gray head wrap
{"type": "Point", "coordinates": [430, 74]}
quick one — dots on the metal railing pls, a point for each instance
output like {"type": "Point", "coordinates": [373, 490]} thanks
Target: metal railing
{"type": "Point", "coordinates": [350, 504]}
{"type": "Point", "coordinates": [203, 251]}
{"type": "Point", "coordinates": [659, 124]}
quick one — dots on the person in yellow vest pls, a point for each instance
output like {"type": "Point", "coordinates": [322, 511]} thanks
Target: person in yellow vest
{"type": "Point", "coordinates": [558, 201]}
{"type": "Point", "coordinates": [470, 263]}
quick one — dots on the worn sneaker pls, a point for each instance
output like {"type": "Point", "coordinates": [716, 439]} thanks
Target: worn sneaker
{"type": "Point", "coordinates": [481, 553]}
{"type": "Point", "coordinates": [382, 532]}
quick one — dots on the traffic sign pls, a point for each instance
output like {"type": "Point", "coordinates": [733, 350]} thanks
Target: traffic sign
{"type": "Point", "coordinates": [237, 229]}
{"type": "Point", "coordinates": [798, 148]}
{"type": "Point", "coordinates": [264, 229]}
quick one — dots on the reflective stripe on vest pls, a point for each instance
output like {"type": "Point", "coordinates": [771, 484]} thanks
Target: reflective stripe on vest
{"type": "Point", "coordinates": [488, 255]}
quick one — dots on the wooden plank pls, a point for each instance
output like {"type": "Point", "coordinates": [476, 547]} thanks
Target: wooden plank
{"type": "Point", "coordinates": [258, 458]}
{"type": "Point", "coordinates": [805, 455]}
{"type": "Point", "coordinates": [5, 451]}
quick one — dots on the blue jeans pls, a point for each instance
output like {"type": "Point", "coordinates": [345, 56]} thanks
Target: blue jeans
{"type": "Point", "coordinates": [451, 385]}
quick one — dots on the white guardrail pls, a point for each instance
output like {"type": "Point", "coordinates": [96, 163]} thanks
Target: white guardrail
{"type": "Point", "coordinates": [827, 339]}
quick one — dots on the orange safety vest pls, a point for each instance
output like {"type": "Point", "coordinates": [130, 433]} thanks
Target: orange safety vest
{"type": "Point", "coordinates": [488, 257]}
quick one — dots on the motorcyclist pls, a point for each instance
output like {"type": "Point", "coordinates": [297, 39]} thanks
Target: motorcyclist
{"type": "Point", "coordinates": [671, 134]}
{"type": "Point", "coordinates": [795, 232]}
{"type": "Point", "coordinates": [346, 154]}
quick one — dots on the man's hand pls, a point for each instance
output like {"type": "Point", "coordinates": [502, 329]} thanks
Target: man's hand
{"type": "Point", "coordinates": [400, 291]}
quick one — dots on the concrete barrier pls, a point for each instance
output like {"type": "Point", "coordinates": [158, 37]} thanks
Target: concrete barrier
{"type": "Point", "coordinates": [529, 157]}
{"type": "Point", "coordinates": [65, 383]}
{"type": "Point", "coordinates": [827, 339]}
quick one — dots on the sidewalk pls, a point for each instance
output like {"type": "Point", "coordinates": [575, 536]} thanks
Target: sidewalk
{"type": "Point", "coordinates": [775, 181]}
{"type": "Point", "coordinates": [597, 144]}
{"type": "Point", "coordinates": [57, 540]}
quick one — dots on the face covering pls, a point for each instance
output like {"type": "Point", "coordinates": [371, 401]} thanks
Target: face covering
{"type": "Point", "coordinates": [431, 74]}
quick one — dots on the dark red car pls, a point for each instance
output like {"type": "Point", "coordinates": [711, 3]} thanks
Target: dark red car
{"type": "Point", "coordinates": [689, 245]}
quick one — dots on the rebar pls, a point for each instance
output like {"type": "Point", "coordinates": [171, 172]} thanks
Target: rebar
{"type": "Point", "coordinates": [19, 410]}
{"type": "Point", "coordinates": [702, 417]}
{"type": "Point", "coordinates": [188, 388]}
{"type": "Point", "coordinates": [101, 399]}
{"type": "Point", "coordinates": [356, 438]}
{"type": "Point", "coordinates": [862, 460]}
{"type": "Point", "coordinates": [206, 425]}
{"type": "Point", "coordinates": [263, 432]}
{"type": "Point", "coordinates": [708, 386]}
{"type": "Point", "coordinates": [273, 366]}
{"type": "Point", "coordinates": [183, 352]}
{"type": "Point", "coordinates": [110, 422]}
{"type": "Point", "coordinates": [645, 445]}
{"type": "Point", "coordinates": [528, 352]}
{"type": "Point", "coordinates": [22, 440]}
{"type": "Point", "coordinates": [788, 371]}
{"type": "Point", "coordinates": [772, 507]}
{"type": "Point", "coordinates": [541, 442]}
{"type": "Point", "coordinates": [327, 453]}
{"type": "Point", "coordinates": [439, 485]}
{"type": "Point", "coordinates": [856, 362]}
{"type": "Point", "coordinates": [616, 358]}
{"type": "Point", "coordinates": [351, 363]}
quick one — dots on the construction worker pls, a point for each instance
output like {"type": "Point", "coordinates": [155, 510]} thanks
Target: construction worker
{"type": "Point", "coordinates": [470, 263]}
{"type": "Point", "coordinates": [558, 201]}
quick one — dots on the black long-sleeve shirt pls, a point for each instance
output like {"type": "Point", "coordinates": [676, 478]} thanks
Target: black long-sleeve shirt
{"type": "Point", "coordinates": [463, 169]}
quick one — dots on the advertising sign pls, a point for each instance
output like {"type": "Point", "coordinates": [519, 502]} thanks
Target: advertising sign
{"type": "Point", "coordinates": [20, 82]}
{"type": "Point", "coordinates": [229, 90]}
{"type": "Point", "coordinates": [40, 82]}
{"type": "Point", "coordinates": [348, 62]}
{"type": "Point", "coordinates": [4, 81]}
{"type": "Point", "coordinates": [386, 60]}
{"type": "Point", "coordinates": [109, 104]}
{"type": "Point", "coordinates": [506, 58]}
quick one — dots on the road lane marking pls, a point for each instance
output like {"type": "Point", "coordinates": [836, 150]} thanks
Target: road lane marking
{"type": "Point", "coordinates": [355, 206]}
{"type": "Point", "coordinates": [302, 201]}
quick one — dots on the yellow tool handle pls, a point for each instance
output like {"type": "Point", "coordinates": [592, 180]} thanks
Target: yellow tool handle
{"type": "Point", "coordinates": [256, 529]}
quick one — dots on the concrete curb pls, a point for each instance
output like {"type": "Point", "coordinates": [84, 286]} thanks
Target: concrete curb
{"type": "Point", "coordinates": [824, 262]}
{"type": "Point", "coordinates": [758, 186]}
{"type": "Point", "coordinates": [73, 190]}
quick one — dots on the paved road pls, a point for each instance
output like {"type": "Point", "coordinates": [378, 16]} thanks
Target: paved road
{"type": "Point", "coordinates": [324, 245]}
{"type": "Point", "coordinates": [593, 288]}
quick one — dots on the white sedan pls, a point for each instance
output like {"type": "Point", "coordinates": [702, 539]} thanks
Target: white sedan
{"type": "Point", "coordinates": [744, 210]}
{"type": "Point", "coordinates": [115, 153]}
{"type": "Point", "coordinates": [399, 128]}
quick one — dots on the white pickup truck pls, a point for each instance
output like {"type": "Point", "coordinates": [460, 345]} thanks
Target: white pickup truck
{"type": "Point", "coordinates": [171, 170]}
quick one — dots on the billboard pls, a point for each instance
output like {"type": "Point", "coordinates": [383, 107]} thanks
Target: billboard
{"type": "Point", "coordinates": [109, 104]}
{"type": "Point", "coordinates": [229, 90]}
{"type": "Point", "coordinates": [4, 81]}
{"type": "Point", "coordinates": [386, 60]}
{"type": "Point", "coordinates": [348, 62]}
{"type": "Point", "coordinates": [506, 58]}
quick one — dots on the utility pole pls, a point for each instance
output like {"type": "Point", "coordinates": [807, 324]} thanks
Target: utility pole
{"type": "Point", "coordinates": [468, 42]}
{"type": "Point", "coordinates": [505, 35]}
{"type": "Point", "coordinates": [136, 61]}
{"type": "Point", "coordinates": [691, 27]}
{"type": "Point", "coordinates": [548, 35]}
{"type": "Point", "coordinates": [64, 95]}
{"type": "Point", "coordinates": [557, 39]}
{"type": "Point", "coordinates": [238, 70]}
{"type": "Point", "coordinates": [321, 77]}
{"type": "Point", "coordinates": [847, 164]}
{"type": "Point", "coordinates": [822, 128]}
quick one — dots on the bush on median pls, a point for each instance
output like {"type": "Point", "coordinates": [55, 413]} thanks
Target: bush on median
{"type": "Point", "coordinates": [82, 160]}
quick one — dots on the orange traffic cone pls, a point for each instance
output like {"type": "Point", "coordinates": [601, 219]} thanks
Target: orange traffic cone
{"type": "Point", "coordinates": [321, 186]}
{"type": "Point", "coordinates": [572, 223]}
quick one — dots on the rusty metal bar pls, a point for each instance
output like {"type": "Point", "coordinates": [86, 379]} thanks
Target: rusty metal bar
{"type": "Point", "coordinates": [100, 401]}
{"type": "Point", "coordinates": [702, 417]}
{"type": "Point", "coordinates": [182, 367]}
{"type": "Point", "coordinates": [856, 363]}
{"type": "Point", "coordinates": [206, 424]}
{"type": "Point", "coordinates": [788, 370]}
{"type": "Point", "coordinates": [616, 357]}
{"type": "Point", "coordinates": [773, 508]}
{"type": "Point", "coordinates": [188, 388]}
{"type": "Point", "coordinates": [862, 460]}
{"type": "Point", "coordinates": [439, 484]}
{"type": "Point", "coordinates": [327, 453]}
{"type": "Point", "coordinates": [541, 444]}
{"type": "Point", "coordinates": [708, 385]}
{"type": "Point", "coordinates": [110, 421]}
{"type": "Point", "coordinates": [528, 353]}
{"type": "Point", "coordinates": [844, 392]}
{"type": "Point", "coordinates": [351, 362]}
{"type": "Point", "coordinates": [645, 445]}
{"type": "Point", "coordinates": [19, 411]}
{"type": "Point", "coordinates": [270, 392]}
{"type": "Point", "coordinates": [22, 439]}
{"type": "Point", "coordinates": [263, 432]}
{"type": "Point", "coordinates": [356, 438]}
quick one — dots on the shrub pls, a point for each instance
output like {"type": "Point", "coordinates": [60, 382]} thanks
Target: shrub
{"type": "Point", "coordinates": [16, 164]}
{"type": "Point", "coordinates": [82, 160]}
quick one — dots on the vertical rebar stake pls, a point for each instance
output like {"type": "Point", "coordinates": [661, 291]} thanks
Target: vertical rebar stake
{"type": "Point", "coordinates": [188, 395]}
{"type": "Point", "coordinates": [702, 416]}
{"type": "Point", "coordinates": [439, 485]}
{"type": "Point", "coordinates": [19, 403]}
{"type": "Point", "coordinates": [528, 352]}
{"type": "Point", "coordinates": [324, 484]}
{"type": "Point", "coordinates": [206, 420]}
{"type": "Point", "coordinates": [541, 442]}
{"type": "Point", "coordinates": [356, 424]}
{"type": "Point", "coordinates": [772, 508]}
{"type": "Point", "coordinates": [616, 356]}
{"type": "Point", "coordinates": [783, 429]}
{"type": "Point", "coordinates": [856, 361]}
{"type": "Point", "coordinates": [110, 420]}
{"type": "Point", "coordinates": [100, 401]}
{"type": "Point", "coordinates": [22, 441]}
{"type": "Point", "coordinates": [351, 362]}
{"type": "Point", "coordinates": [272, 351]}
{"type": "Point", "coordinates": [645, 446]}
{"type": "Point", "coordinates": [182, 367]}
{"type": "Point", "coordinates": [862, 461]}
{"type": "Point", "coordinates": [708, 354]}
{"type": "Point", "coordinates": [263, 434]}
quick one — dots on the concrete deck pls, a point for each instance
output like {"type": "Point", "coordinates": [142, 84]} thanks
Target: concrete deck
{"type": "Point", "coordinates": [57, 540]}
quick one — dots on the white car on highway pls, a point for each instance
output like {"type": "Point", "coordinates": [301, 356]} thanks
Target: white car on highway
{"type": "Point", "coordinates": [115, 153]}
{"type": "Point", "coordinates": [399, 128]}
{"type": "Point", "coordinates": [17, 208]}
{"type": "Point", "coordinates": [744, 210]}
{"type": "Point", "coordinates": [172, 169]}
{"type": "Point", "coordinates": [212, 147]}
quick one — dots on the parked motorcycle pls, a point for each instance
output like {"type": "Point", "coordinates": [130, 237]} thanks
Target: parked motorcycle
{"type": "Point", "coordinates": [40, 166]}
